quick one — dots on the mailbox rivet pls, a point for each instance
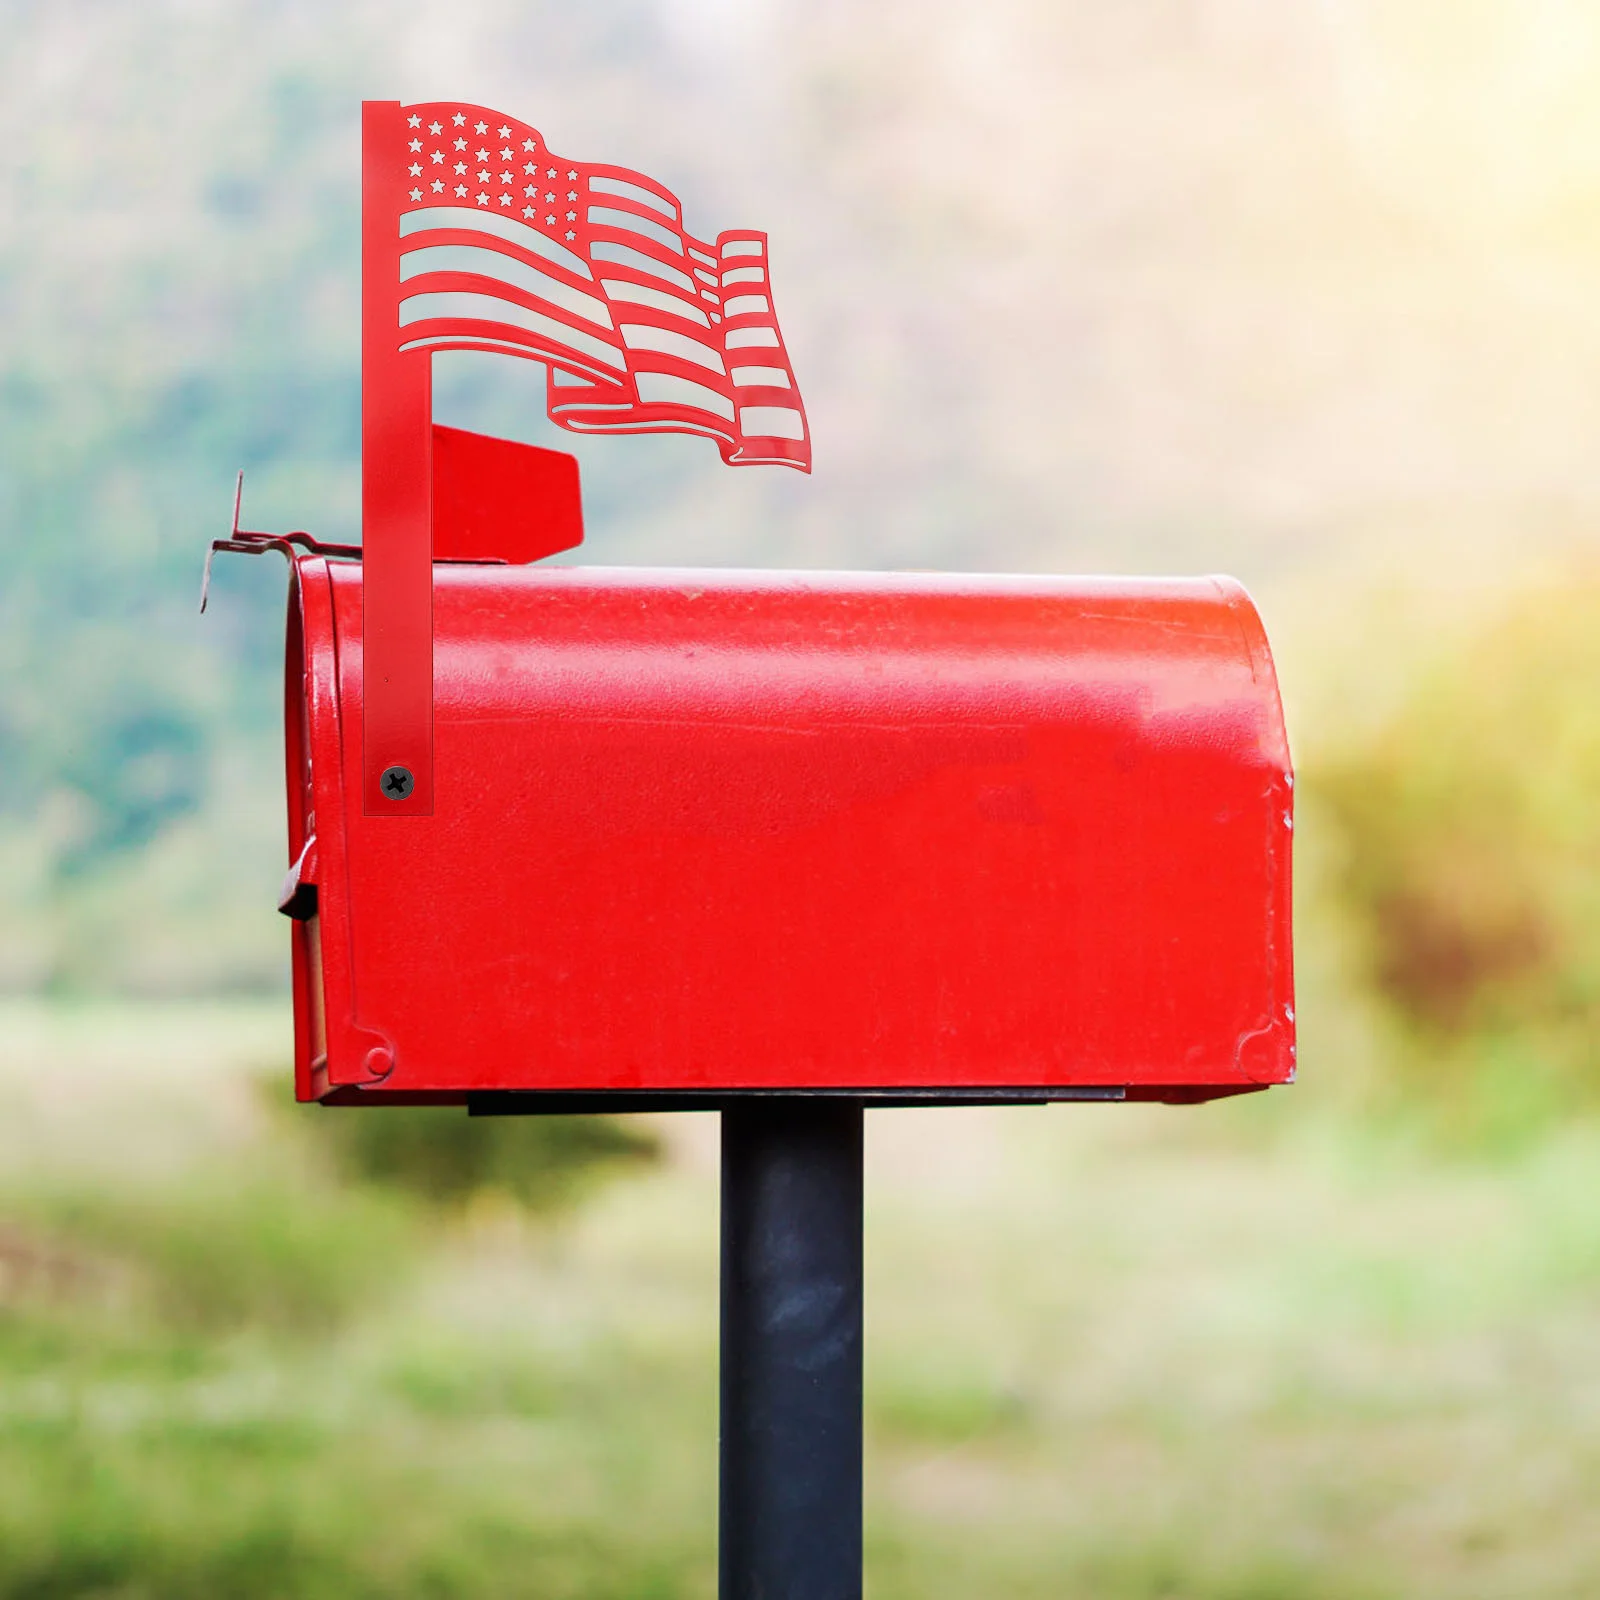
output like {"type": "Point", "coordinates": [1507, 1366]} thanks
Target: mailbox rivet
{"type": "Point", "coordinates": [396, 783]}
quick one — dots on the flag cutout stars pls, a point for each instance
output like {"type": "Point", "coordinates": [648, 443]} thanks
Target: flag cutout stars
{"type": "Point", "coordinates": [493, 242]}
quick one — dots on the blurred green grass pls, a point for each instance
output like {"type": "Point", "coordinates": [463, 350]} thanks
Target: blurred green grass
{"type": "Point", "coordinates": [1247, 1352]}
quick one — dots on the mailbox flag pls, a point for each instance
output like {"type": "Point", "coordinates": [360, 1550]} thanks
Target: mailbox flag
{"type": "Point", "coordinates": [475, 235]}
{"type": "Point", "coordinates": [482, 238]}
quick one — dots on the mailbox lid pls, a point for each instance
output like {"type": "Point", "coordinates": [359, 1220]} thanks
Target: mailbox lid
{"type": "Point", "coordinates": [705, 830]}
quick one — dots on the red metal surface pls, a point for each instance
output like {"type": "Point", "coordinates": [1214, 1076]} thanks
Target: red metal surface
{"type": "Point", "coordinates": [396, 497]}
{"type": "Point", "coordinates": [706, 831]}
{"type": "Point", "coordinates": [498, 501]}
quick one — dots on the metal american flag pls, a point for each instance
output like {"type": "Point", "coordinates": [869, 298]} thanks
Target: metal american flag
{"type": "Point", "coordinates": [494, 242]}
{"type": "Point", "coordinates": [475, 235]}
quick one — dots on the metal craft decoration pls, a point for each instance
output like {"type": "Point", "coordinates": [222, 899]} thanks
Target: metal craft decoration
{"type": "Point", "coordinates": [477, 236]}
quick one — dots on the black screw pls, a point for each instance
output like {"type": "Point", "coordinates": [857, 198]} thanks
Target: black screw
{"type": "Point", "coordinates": [396, 783]}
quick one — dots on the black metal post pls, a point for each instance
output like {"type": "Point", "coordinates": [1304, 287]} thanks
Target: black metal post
{"type": "Point", "coordinates": [790, 1515]}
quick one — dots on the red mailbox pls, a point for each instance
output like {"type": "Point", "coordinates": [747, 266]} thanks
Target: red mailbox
{"type": "Point", "coordinates": [566, 838]}
{"type": "Point", "coordinates": [907, 837]}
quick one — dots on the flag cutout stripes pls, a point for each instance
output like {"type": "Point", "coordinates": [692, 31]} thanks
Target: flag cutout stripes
{"type": "Point", "coordinates": [501, 245]}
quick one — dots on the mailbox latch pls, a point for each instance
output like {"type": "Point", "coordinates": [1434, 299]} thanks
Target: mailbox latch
{"type": "Point", "coordinates": [299, 897]}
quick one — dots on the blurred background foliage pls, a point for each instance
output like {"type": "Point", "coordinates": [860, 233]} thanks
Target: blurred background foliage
{"type": "Point", "coordinates": [447, 1158]}
{"type": "Point", "coordinates": [1464, 835]}
{"type": "Point", "coordinates": [1298, 289]}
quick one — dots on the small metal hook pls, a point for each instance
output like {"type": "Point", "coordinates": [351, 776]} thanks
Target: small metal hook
{"type": "Point", "coordinates": [246, 542]}
{"type": "Point", "coordinates": [233, 534]}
